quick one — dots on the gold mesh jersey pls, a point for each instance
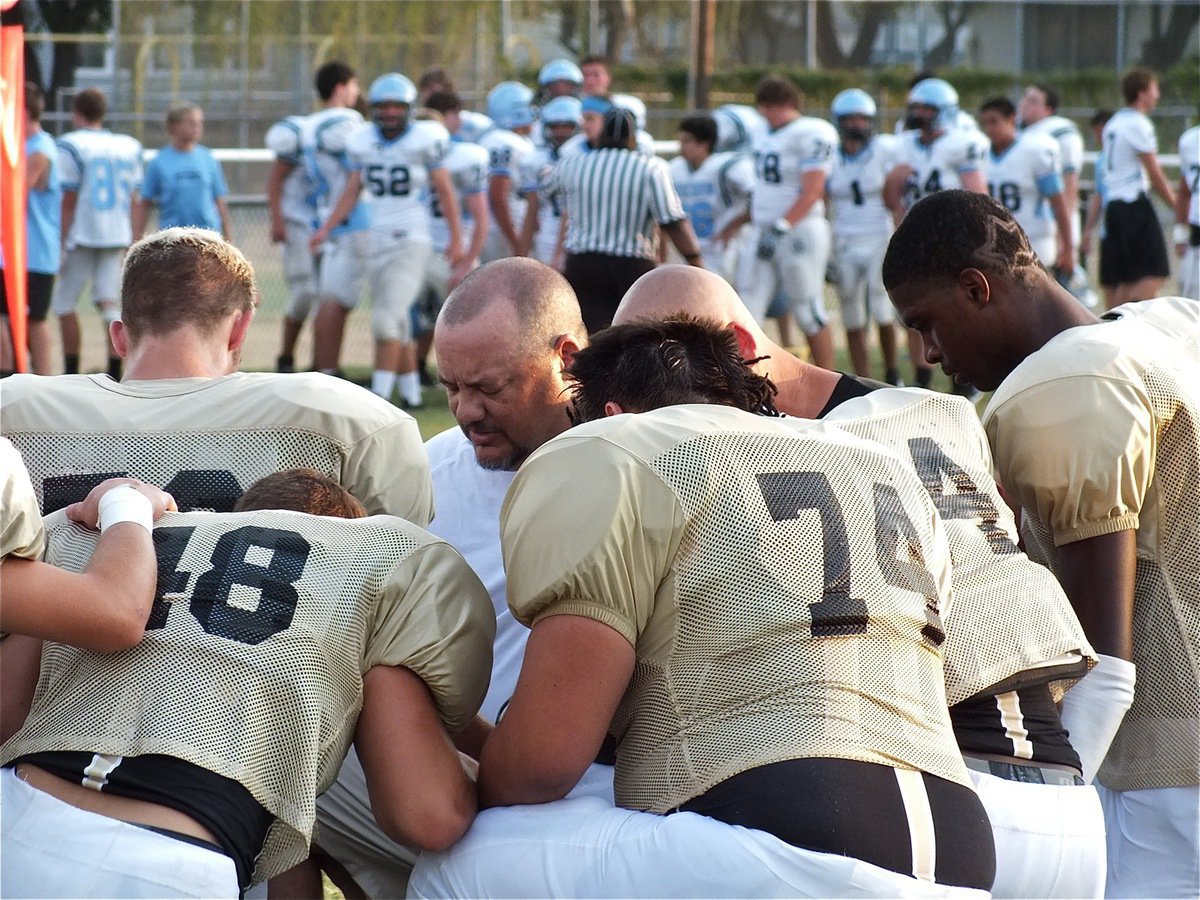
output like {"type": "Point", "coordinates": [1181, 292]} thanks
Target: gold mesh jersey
{"type": "Point", "coordinates": [207, 439]}
{"type": "Point", "coordinates": [1099, 432]}
{"type": "Point", "coordinates": [1011, 617]}
{"type": "Point", "coordinates": [780, 581]}
{"type": "Point", "coordinates": [251, 667]}
{"type": "Point", "coordinates": [21, 532]}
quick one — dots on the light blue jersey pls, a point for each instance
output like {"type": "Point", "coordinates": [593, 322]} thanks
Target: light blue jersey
{"type": "Point", "coordinates": [186, 186]}
{"type": "Point", "coordinates": [44, 211]}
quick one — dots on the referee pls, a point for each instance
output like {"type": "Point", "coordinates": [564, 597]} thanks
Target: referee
{"type": "Point", "coordinates": [615, 198]}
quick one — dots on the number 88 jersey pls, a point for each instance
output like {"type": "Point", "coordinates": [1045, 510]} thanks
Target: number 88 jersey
{"type": "Point", "coordinates": [251, 666]}
{"type": "Point", "coordinates": [395, 174]}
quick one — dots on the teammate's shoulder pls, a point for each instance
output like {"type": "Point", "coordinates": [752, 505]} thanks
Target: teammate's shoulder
{"type": "Point", "coordinates": [1189, 143]}
{"type": "Point", "coordinates": [935, 408]}
{"type": "Point", "coordinates": [326, 396]}
{"type": "Point", "coordinates": [283, 138]}
{"type": "Point", "coordinates": [428, 130]}
{"type": "Point", "coordinates": [20, 388]}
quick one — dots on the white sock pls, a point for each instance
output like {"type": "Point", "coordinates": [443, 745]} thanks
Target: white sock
{"type": "Point", "coordinates": [383, 382]}
{"type": "Point", "coordinates": [410, 388]}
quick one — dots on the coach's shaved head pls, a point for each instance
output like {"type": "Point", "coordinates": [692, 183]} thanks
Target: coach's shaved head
{"type": "Point", "coordinates": [502, 340]}
{"type": "Point", "coordinates": [670, 290]}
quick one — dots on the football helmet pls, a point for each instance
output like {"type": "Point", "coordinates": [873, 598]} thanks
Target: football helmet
{"type": "Point", "coordinates": [560, 70]}
{"type": "Point", "coordinates": [634, 105]}
{"type": "Point", "coordinates": [935, 93]}
{"type": "Point", "coordinates": [737, 126]}
{"type": "Point", "coordinates": [510, 105]}
{"type": "Point", "coordinates": [853, 102]}
{"type": "Point", "coordinates": [392, 88]}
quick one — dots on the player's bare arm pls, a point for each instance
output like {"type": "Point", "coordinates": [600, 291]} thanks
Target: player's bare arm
{"type": "Point", "coordinates": [420, 792]}
{"type": "Point", "coordinates": [448, 202]}
{"type": "Point", "coordinates": [573, 676]}
{"type": "Point", "coordinates": [1098, 576]}
{"type": "Point", "coordinates": [280, 170]}
{"type": "Point", "coordinates": [499, 187]}
{"type": "Point", "coordinates": [1062, 218]}
{"type": "Point", "coordinates": [1158, 181]}
{"type": "Point", "coordinates": [893, 190]}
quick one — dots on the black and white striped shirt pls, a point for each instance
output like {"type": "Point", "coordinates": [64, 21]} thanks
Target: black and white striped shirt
{"type": "Point", "coordinates": [615, 198]}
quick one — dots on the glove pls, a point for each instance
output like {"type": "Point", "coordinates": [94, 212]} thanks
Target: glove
{"type": "Point", "coordinates": [769, 239]}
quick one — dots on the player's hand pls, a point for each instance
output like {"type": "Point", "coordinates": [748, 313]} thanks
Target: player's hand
{"type": "Point", "coordinates": [459, 272]}
{"type": "Point", "coordinates": [278, 231]}
{"type": "Point", "coordinates": [769, 239]}
{"type": "Point", "coordinates": [454, 255]}
{"type": "Point", "coordinates": [318, 238]}
{"type": "Point", "coordinates": [87, 511]}
{"type": "Point", "coordinates": [1064, 262]}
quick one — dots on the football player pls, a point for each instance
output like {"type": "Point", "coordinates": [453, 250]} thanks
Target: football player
{"type": "Point", "coordinates": [510, 106]}
{"type": "Point", "coordinates": [396, 161]}
{"type": "Point", "coordinates": [559, 78]}
{"type": "Point", "coordinates": [715, 190]}
{"type": "Point", "coordinates": [101, 178]}
{"type": "Point", "coordinates": [770, 731]}
{"type": "Point", "coordinates": [292, 200]}
{"type": "Point", "coordinates": [190, 764]}
{"type": "Point", "coordinates": [1186, 233]}
{"type": "Point", "coordinates": [787, 211]}
{"type": "Point", "coordinates": [561, 119]}
{"type": "Point", "coordinates": [1092, 426]}
{"type": "Point", "coordinates": [861, 227]}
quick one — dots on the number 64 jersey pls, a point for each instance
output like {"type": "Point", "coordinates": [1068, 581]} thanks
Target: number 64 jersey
{"type": "Point", "coordinates": [251, 667]}
{"type": "Point", "coordinates": [781, 583]}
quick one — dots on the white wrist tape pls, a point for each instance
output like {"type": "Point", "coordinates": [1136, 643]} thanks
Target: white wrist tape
{"type": "Point", "coordinates": [125, 503]}
{"type": "Point", "coordinates": [1092, 710]}
{"type": "Point", "coordinates": [1180, 234]}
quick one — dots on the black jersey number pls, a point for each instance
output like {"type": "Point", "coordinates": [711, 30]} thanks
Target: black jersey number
{"type": "Point", "coordinates": [769, 168]}
{"type": "Point", "coordinates": [897, 551]}
{"type": "Point", "coordinates": [265, 561]}
{"type": "Point", "coordinates": [965, 501]}
{"type": "Point", "coordinates": [214, 489]}
{"type": "Point", "coordinates": [1008, 193]}
{"type": "Point", "coordinates": [394, 182]}
{"type": "Point", "coordinates": [856, 193]}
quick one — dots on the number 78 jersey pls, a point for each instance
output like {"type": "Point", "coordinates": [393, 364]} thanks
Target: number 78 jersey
{"type": "Point", "coordinates": [105, 170]}
{"type": "Point", "coordinates": [781, 160]}
{"type": "Point", "coordinates": [395, 174]}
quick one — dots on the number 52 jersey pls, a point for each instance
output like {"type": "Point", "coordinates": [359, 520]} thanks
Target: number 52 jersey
{"type": "Point", "coordinates": [251, 667]}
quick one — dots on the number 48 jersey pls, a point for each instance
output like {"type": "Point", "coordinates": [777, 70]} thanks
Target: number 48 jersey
{"type": "Point", "coordinates": [105, 171]}
{"type": "Point", "coordinates": [395, 174]}
{"type": "Point", "coordinates": [251, 666]}
{"type": "Point", "coordinates": [781, 583]}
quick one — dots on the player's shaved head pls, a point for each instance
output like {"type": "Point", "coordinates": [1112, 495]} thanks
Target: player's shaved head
{"type": "Point", "coordinates": [542, 299]}
{"type": "Point", "coordinates": [672, 290]}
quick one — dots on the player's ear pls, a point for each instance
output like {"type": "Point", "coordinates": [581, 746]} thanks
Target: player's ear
{"type": "Point", "coordinates": [119, 337]}
{"type": "Point", "coordinates": [241, 326]}
{"type": "Point", "coordinates": [612, 408]}
{"type": "Point", "coordinates": [747, 346]}
{"type": "Point", "coordinates": [566, 348]}
{"type": "Point", "coordinates": [975, 287]}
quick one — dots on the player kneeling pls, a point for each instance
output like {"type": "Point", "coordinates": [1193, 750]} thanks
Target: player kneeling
{"type": "Point", "coordinates": [189, 766]}
{"type": "Point", "coordinates": [753, 606]}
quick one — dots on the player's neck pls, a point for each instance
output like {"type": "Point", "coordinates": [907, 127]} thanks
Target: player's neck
{"type": "Point", "coordinates": [184, 146]}
{"type": "Point", "coordinates": [804, 389]}
{"type": "Point", "coordinates": [180, 355]}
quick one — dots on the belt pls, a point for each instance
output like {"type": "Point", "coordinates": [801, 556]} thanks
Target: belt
{"type": "Point", "coordinates": [136, 812]}
{"type": "Point", "coordinates": [1025, 772]}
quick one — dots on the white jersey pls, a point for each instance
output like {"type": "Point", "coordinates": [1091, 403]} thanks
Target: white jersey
{"type": "Point", "coordinates": [507, 152]}
{"type": "Point", "coordinates": [395, 175]}
{"type": "Point", "coordinates": [1189, 168]}
{"type": "Point", "coordinates": [467, 164]}
{"type": "Point", "coordinates": [536, 175]}
{"type": "Point", "coordinates": [1066, 134]}
{"type": "Point", "coordinates": [781, 159]}
{"type": "Point", "coordinates": [855, 188]}
{"type": "Point", "coordinates": [297, 201]}
{"type": "Point", "coordinates": [1023, 177]}
{"type": "Point", "coordinates": [1128, 134]}
{"type": "Point", "coordinates": [324, 136]}
{"type": "Point", "coordinates": [472, 126]}
{"type": "Point", "coordinates": [939, 166]}
{"type": "Point", "coordinates": [105, 171]}
{"type": "Point", "coordinates": [714, 193]}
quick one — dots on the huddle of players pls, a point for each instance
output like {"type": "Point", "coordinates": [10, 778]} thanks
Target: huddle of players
{"type": "Point", "coordinates": [228, 585]}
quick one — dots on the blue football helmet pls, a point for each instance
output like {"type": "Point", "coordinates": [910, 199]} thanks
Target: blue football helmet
{"type": "Point", "coordinates": [563, 109]}
{"type": "Point", "coordinates": [853, 102]}
{"type": "Point", "coordinates": [392, 88]}
{"type": "Point", "coordinates": [938, 94]}
{"type": "Point", "coordinates": [510, 105]}
{"type": "Point", "coordinates": [560, 70]}
{"type": "Point", "coordinates": [737, 126]}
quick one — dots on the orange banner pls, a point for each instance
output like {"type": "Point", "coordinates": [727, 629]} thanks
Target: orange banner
{"type": "Point", "coordinates": [12, 183]}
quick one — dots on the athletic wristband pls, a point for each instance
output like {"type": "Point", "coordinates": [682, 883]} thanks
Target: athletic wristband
{"type": "Point", "coordinates": [781, 226]}
{"type": "Point", "coordinates": [1180, 234]}
{"type": "Point", "coordinates": [125, 503]}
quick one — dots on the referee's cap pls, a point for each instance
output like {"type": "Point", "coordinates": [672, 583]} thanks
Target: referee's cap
{"type": "Point", "coordinates": [619, 128]}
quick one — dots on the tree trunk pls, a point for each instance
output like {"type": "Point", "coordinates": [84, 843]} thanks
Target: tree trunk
{"type": "Point", "coordinates": [1164, 49]}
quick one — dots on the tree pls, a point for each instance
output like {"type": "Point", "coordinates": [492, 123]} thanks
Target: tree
{"type": "Point", "coordinates": [62, 59]}
{"type": "Point", "coordinates": [954, 17]}
{"type": "Point", "coordinates": [870, 16]}
{"type": "Point", "coordinates": [1165, 46]}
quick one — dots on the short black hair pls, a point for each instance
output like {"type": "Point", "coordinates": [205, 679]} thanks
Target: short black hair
{"type": "Point", "coordinates": [650, 363]}
{"type": "Point", "coordinates": [1049, 93]}
{"type": "Point", "coordinates": [1002, 105]}
{"type": "Point", "coordinates": [703, 128]}
{"type": "Point", "coordinates": [90, 105]}
{"type": "Point", "coordinates": [443, 102]}
{"type": "Point", "coordinates": [949, 231]}
{"type": "Point", "coordinates": [35, 101]}
{"type": "Point", "coordinates": [435, 76]}
{"type": "Point", "coordinates": [1100, 118]}
{"type": "Point", "coordinates": [329, 76]}
{"type": "Point", "coordinates": [619, 129]}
